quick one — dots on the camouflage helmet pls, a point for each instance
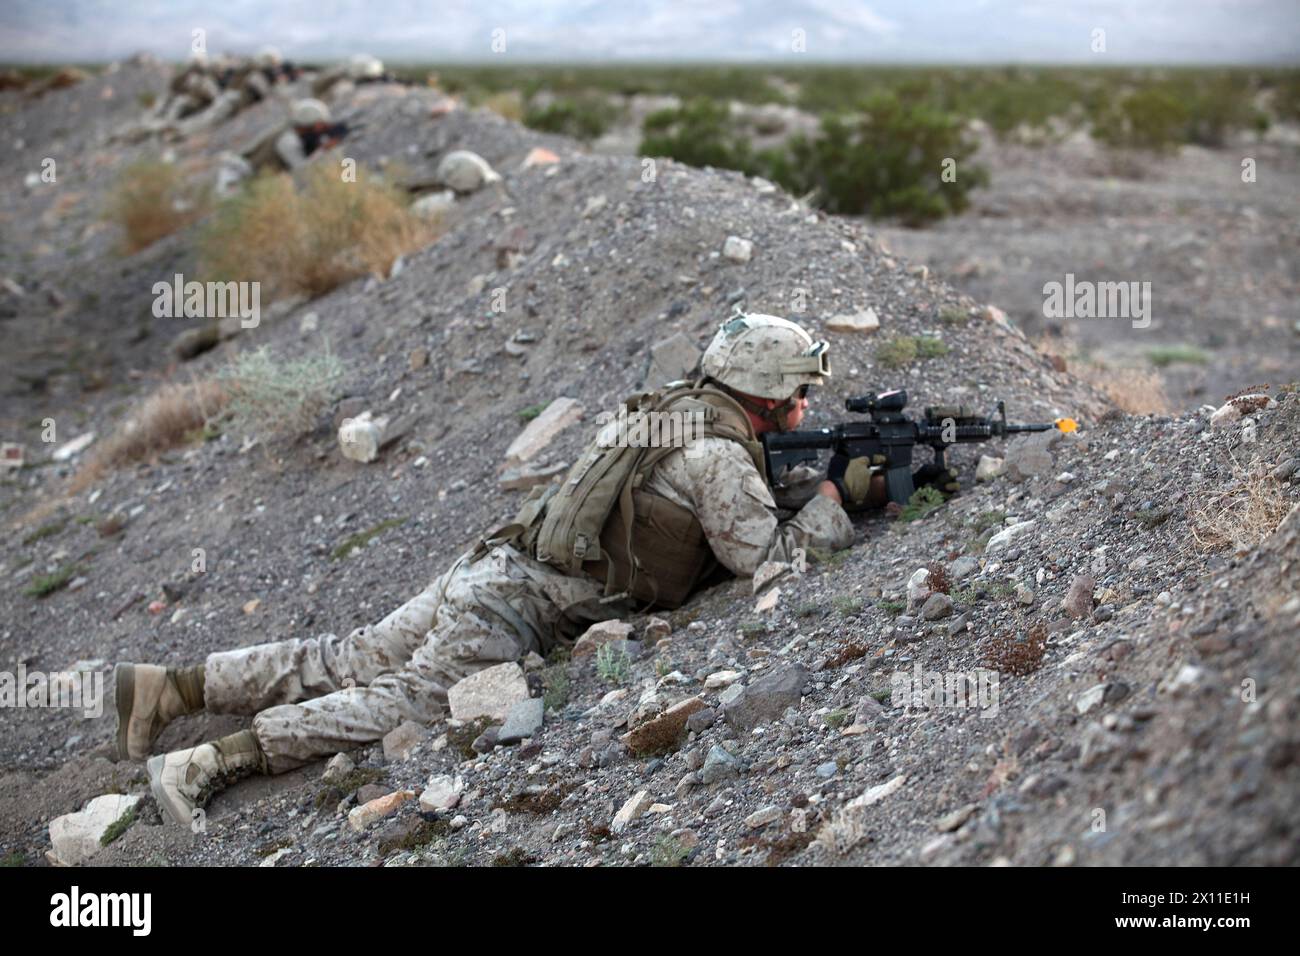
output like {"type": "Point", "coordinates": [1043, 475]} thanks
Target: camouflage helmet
{"type": "Point", "coordinates": [363, 66]}
{"type": "Point", "coordinates": [309, 112]}
{"type": "Point", "coordinates": [765, 356]}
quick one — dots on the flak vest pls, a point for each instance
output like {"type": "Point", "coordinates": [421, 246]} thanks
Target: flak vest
{"type": "Point", "coordinates": [601, 521]}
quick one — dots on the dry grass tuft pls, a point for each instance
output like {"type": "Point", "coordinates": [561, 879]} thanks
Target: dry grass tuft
{"type": "Point", "coordinates": [1136, 391]}
{"type": "Point", "coordinates": [1242, 516]}
{"type": "Point", "coordinates": [168, 418]}
{"type": "Point", "coordinates": [311, 239]}
{"type": "Point", "coordinates": [1008, 654]}
{"type": "Point", "coordinates": [153, 199]}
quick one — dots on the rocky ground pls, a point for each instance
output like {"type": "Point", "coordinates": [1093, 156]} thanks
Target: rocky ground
{"type": "Point", "coordinates": [1158, 723]}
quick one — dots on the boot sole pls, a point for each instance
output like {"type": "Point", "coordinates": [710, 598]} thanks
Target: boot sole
{"type": "Point", "coordinates": [155, 768]}
{"type": "Point", "coordinates": [124, 682]}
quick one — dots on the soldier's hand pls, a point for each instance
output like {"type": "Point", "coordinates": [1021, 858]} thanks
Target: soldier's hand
{"type": "Point", "coordinates": [944, 479]}
{"type": "Point", "coordinates": [852, 478]}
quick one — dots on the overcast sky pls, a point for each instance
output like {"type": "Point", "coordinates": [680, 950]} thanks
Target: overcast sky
{"type": "Point", "coordinates": [1000, 31]}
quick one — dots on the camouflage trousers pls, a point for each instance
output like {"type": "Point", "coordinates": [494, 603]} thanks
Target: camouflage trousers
{"type": "Point", "coordinates": [314, 697]}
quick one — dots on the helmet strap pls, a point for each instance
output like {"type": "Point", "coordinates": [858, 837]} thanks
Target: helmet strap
{"type": "Point", "coordinates": [777, 417]}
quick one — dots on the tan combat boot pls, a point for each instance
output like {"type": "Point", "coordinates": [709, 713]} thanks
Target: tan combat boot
{"type": "Point", "coordinates": [150, 697]}
{"type": "Point", "coordinates": [184, 779]}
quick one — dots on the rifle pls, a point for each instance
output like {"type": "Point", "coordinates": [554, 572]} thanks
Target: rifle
{"type": "Point", "coordinates": [890, 434]}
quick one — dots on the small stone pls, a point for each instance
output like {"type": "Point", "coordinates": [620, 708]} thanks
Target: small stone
{"type": "Point", "coordinates": [656, 629]}
{"type": "Point", "coordinates": [766, 698]}
{"type": "Point", "coordinates": [719, 765]}
{"type": "Point", "coordinates": [636, 805]}
{"type": "Point", "coordinates": [1024, 595]}
{"type": "Point", "coordinates": [827, 770]}
{"type": "Point", "coordinates": [699, 722]}
{"type": "Point", "coordinates": [936, 606]}
{"type": "Point", "coordinates": [401, 740]}
{"type": "Point", "coordinates": [524, 720]}
{"type": "Point", "coordinates": [865, 321]}
{"type": "Point", "coordinates": [721, 679]}
{"type": "Point", "coordinates": [953, 821]}
{"type": "Point", "coordinates": [989, 468]}
{"type": "Point", "coordinates": [761, 818]}
{"type": "Point", "coordinates": [737, 249]}
{"type": "Point", "coordinates": [368, 813]}
{"type": "Point", "coordinates": [1078, 600]}
{"type": "Point", "coordinates": [1007, 535]}
{"type": "Point", "coordinates": [1090, 698]}
{"type": "Point", "coordinates": [340, 766]}
{"type": "Point", "coordinates": [441, 793]}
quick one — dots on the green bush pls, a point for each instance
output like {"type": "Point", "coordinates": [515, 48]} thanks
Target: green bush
{"type": "Point", "coordinates": [1149, 118]}
{"type": "Point", "coordinates": [272, 397]}
{"type": "Point", "coordinates": [887, 162]}
{"type": "Point", "coordinates": [699, 133]}
{"type": "Point", "coordinates": [582, 117]}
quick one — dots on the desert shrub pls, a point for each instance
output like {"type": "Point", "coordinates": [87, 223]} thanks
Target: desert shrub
{"type": "Point", "coordinates": [921, 504]}
{"type": "Point", "coordinates": [507, 103]}
{"type": "Point", "coordinates": [1009, 654]}
{"type": "Point", "coordinates": [905, 349]}
{"type": "Point", "coordinates": [938, 580]}
{"type": "Point", "coordinates": [1148, 118]}
{"type": "Point", "coordinates": [612, 663]}
{"type": "Point", "coordinates": [1241, 516]}
{"type": "Point", "coordinates": [889, 162]}
{"type": "Point", "coordinates": [152, 199]}
{"type": "Point", "coordinates": [1136, 391]}
{"type": "Point", "coordinates": [271, 397]}
{"type": "Point", "coordinates": [582, 117]}
{"type": "Point", "coordinates": [171, 416]}
{"type": "Point", "coordinates": [307, 240]}
{"type": "Point", "coordinates": [699, 133]}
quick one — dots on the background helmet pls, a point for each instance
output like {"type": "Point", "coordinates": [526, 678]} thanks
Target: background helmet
{"type": "Point", "coordinates": [310, 112]}
{"type": "Point", "coordinates": [765, 356]}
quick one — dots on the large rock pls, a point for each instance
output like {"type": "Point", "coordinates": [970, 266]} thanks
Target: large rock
{"type": "Point", "coordinates": [671, 359]}
{"type": "Point", "coordinates": [1078, 601]}
{"type": "Point", "coordinates": [75, 836]}
{"type": "Point", "coordinates": [864, 321]}
{"type": "Point", "coordinates": [663, 732]}
{"type": "Point", "coordinates": [1004, 537]}
{"type": "Point", "coordinates": [1029, 456]}
{"type": "Point", "coordinates": [491, 692]}
{"type": "Point", "coordinates": [602, 632]}
{"type": "Point", "coordinates": [465, 171]}
{"type": "Point", "coordinates": [557, 416]}
{"type": "Point", "coordinates": [442, 792]}
{"type": "Point", "coordinates": [401, 740]}
{"type": "Point", "coordinates": [767, 698]}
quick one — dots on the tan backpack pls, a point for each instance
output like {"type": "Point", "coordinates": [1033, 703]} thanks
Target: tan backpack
{"type": "Point", "coordinates": [588, 523]}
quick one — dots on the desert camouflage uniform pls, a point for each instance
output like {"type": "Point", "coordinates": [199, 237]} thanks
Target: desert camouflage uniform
{"type": "Point", "coordinates": [317, 696]}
